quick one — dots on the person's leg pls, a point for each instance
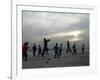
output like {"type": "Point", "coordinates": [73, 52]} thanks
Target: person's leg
{"type": "Point", "coordinates": [38, 54]}
{"type": "Point", "coordinates": [25, 56]}
{"type": "Point", "coordinates": [47, 52]}
{"type": "Point", "coordinates": [59, 54]}
{"type": "Point", "coordinates": [75, 52]}
{"type": "Point", "coordinates": [67, 50]}
{"type": "Point", "coordinates": [70, 50]}
{"type": "Point", "coordinates": [42, 54]}
{"type": "Point", "coordinates": [83, 52]}
{"type": "Point", "coordinates": [55, 54]}
{"type": "Point", "coordinates": [33, 53]}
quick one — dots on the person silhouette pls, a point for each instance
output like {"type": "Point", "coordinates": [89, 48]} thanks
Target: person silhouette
{"type": "Point", "coordinates": [24, 51]}
{"type": "Point", "coordinates": [68, 47]}
{"type": "Point", "coordinates": [34, 48]}
{"type": "Point", "coordinates": [60, 50]}
{"type": "Point", "coordinates": [39, 50]}
{"type": "Point", "coordinates": [56, 48]}
{"type": "Point", "coordinates": [74, 49]}
{"type": "Point", "coordinates": [83, 48]}
{"type": "Point", "coordinates": [45, 49]}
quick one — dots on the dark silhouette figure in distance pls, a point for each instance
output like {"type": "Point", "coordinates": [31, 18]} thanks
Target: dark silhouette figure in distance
{"type": "Point", "coordinates": [39, 50]}
{"type": "Point", "coordinates": [56, 48]}
{"type": "Point", "coordinates": [60, 50]}
{"type": "Point", "coordinates": [74, 49]}
{"type": "Point", "coordinates": [34, 48]}
{"type": "Point", "coordinates": [24, 51]}
{"type": "Point", "coordinates": [68, 47]}
{"type": "Point", "coordinates": [83, 49]}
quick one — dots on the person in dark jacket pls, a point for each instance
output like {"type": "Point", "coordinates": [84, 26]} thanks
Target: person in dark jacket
{"type": "Point", "coordinates": [24, 51]}
{"type": "Point", "coordinates": [56, 48]}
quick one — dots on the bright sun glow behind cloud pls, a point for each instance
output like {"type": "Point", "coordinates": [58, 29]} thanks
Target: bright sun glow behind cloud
{"type": "Point", "coordinates": [63, 34]}
{"type": "Point", "coordinates": [74, 34]}
{"type": "Point", "coordinates": [75, 39]}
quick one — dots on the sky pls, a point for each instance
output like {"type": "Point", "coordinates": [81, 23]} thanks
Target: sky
{"type": "Point", "coordinates": [58, 27]}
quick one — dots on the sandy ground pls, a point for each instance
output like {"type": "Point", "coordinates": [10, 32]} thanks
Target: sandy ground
{"type": "Point", "coordinates": [66, 60]}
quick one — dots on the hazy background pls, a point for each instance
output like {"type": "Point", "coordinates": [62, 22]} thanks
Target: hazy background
{"type": "Point", "coordinates": [59, 27]}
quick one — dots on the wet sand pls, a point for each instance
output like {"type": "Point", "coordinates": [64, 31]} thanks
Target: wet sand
{"type": "Point", "coordinates": [66, 60]}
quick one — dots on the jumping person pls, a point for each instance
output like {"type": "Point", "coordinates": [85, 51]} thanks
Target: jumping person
{"type": "Point", "coordinates": [45, 49]}
{"type": "Point", "coordinates": [24, 51]}
{"type": "Point", "coordinates": [34, 48]}
{"type": "Point", "coordinates": [56, 48]}
{"type": "Point", "coordinates": [68, 47]}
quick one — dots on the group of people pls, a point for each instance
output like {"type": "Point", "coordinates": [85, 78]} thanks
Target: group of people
{"type": "Point", "coordinates": [74, 50]}
{"type": "Point", "coordinates": [45, 49]}
{"type": "Point", "coordinates": [34, 49]}
{"type": "Point", "coordinates": [57, 49]}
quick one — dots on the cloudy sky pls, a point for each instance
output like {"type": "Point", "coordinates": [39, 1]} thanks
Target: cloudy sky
{"type": "Point", "coordinates": [59, 27]}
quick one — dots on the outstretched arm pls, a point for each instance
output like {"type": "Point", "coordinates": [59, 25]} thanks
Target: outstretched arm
{"type": "Point", "coordinates": [48, 40]}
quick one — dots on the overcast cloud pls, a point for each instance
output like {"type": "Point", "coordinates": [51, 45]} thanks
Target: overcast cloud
{"type": "Point", "coordinates": [59, 27]}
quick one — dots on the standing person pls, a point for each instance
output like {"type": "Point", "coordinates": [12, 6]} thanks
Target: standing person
{"type": "Point", "coordinates": [34, 48]}
{"type": "Point", "coordinates": [24, 51]}
{"type": "Point", "coordinates": [60, 50]}
{"type": "Point", "coordinates": [39, 50]}
{"type": "Point", "coordinates": [83, 48]}
{"type": "Point", "coordinates": [68, 47]}
{"type": "Point", "coordinates": [74, 49]}
{"type": "Point", "coordinates": [45, 49]}
{"type": "Point", "coordinates": [56, 48]}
